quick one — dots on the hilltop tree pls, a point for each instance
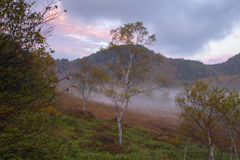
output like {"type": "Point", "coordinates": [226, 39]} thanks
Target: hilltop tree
{"type": "Point", "coordinates": [89, 79]}
{"type": "Point", "coordinates": [28, 81]}
{"type": "Point", "coordinates": [204, 111]}
{"type": "Point", "coordinates": [131, 62]}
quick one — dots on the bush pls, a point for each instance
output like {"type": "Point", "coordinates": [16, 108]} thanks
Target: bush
{"type": "Point", "coordinates": [104, 138]}
{"type": "Point", "coordinates": [90, 114]}
{"type": "Point", "coordinates": [113, 148]}
{"type": "Point", "coordinates": [78, 113]}
{"type": "Point", "coordinates": [114, 119]}
{"type": "Point", "coordinates": [75, 112]}
{"type": "Point", "coordinates": [103, 127]}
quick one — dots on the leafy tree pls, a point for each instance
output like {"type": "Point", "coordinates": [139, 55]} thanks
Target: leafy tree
{"type": "Point", "coordinates": [231, 123]}
{"type": "Point", "coordinates": [130, 65]}
{"type": "Point", "coordinates": [88, 80]}
{"type": "Point", "coordinates": [204, 111]}
{"type": "Point", "coordinates": [28, 81]}
{"type": "Point", "coordinates": [165, 98]}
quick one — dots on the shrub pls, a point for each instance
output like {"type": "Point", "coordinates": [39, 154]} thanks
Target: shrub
{"type": "Point", "coordinates": [104, 138]}
{"type": "Point", "coordinates": [75, 112]}
{"type": "Point", "coordinates": [113, 148]}
{"type": "Point", "coordinates": [103, 127]}
{"type": "Point", "coordinates": [90, 114]}
{"type": "Point", "coordinates": [78, 113]}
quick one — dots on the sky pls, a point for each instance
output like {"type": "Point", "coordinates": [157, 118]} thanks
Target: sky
{"type": "Point", "coordinates": [203, 30]}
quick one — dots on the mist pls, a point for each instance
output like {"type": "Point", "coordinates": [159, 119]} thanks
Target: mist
{"type": "Point", "coordinates": [158, 99]}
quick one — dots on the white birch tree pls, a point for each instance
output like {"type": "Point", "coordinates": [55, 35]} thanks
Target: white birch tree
{"type": "Point", "coordinates": [206, 112]}
{"type": "Point", "coordinates": [131, 62]}
{"type": "Point", "coordinates": [88, 80]}
{"type": "Point", "coordinates": [231, 121]}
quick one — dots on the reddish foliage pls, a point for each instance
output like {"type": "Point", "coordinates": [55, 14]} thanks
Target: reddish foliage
{"type": "Point", "coordinates": [104, 138]}
{"type": "Point", "coordinates": [75, 112]}
{"type": "Point", "coordinates": [79, 113]}
{"type": "Point", "coordinates": [114, 119]}
{"type": "Point", "coordinates": [90, 114]}
{"type": "Point", "coordinates": [113, 148]}
{"type": "Point", "coordinates": [103, 127]}
{"type": "Point", "coordinates": [88, 118]}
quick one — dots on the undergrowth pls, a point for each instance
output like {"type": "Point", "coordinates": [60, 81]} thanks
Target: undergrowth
{"type": "Point", "coordinates": [93, 135]}
{"type": "Point", "coordinates": [86, 137]}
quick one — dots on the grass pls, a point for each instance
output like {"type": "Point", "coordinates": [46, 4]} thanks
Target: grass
{"type": "Point", "coordinates": [152, 118]}
{"type": "Point", "coordinates": [94, 134]}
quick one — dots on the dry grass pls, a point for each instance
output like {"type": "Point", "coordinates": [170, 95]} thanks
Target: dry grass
{"type": "Point", "coordinates": [164, 119]}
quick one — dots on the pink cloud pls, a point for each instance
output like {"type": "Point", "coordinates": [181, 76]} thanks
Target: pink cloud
{"type": "Point", "coordinates": [68, 49]}
{"type": "Point", "coordinates": [65, 26]}
{"type": "Point", "coordinates": [82, 54]}
{"type": "Point", "coordinates": [75, 39]}
{"type": "Point", "coordinates": [216, 59]}
{"type": "Point", "coordinates": [237, 35]}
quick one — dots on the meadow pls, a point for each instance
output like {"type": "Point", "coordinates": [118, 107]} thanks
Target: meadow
{"type": "Point", "coordinates": [147, 133]}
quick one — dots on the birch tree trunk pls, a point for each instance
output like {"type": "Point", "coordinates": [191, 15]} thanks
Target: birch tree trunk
{"type": "Point", "coordinates": [210, 147]}
{"type": "Point", "coordinates": [222, 154]}
{"type": "Point", "coordinates": [84, 104]}
{"type": "Point", "coordinates": [120, 131]}
{"type": "Point", "coordinates": [233, 142]}
{"type": "Point", "coordinates": [230, 152]}
{"type": "Point", "coordinates": [235, 150]}
{"type": "Point", "coordinates": [185, 154]}
{"type": "Point", "coordinates": [119, 122]}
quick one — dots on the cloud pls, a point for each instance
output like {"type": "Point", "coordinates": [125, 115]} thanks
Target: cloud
{"type": "Point", "coordinates": [183, 27]}
{"type": "Point", "coordinates": [75, 39]}
{"type": "Point", "coordinates": [236, 36]}
{"type": "Point", "coordinates": [216, 59]}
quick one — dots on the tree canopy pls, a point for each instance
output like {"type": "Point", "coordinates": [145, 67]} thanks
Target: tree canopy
{"type": "Point", "coordinates": [28, 81]}
{"type": "Point", "coordinates": [131, 63]}
{"type": "Point", "coordinates": [88, 79]}
{"type": "Point", "coordinates": [209, 115]}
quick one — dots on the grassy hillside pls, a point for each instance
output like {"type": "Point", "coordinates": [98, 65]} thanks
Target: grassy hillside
{"type": "Point", "coordinates": [147, 134]}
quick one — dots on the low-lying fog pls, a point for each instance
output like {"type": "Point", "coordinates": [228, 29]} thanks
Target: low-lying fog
{"type": "Point", "coordinates": [163, 98]}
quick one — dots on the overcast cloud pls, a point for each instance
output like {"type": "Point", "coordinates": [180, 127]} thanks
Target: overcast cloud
{"type": "Point", "coordinates": [183, 28]}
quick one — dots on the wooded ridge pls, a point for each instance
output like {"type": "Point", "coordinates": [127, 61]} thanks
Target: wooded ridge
{"type": "Point", "coordinates": [178, 71]}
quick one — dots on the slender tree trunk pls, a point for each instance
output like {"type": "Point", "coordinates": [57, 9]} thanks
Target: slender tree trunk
{"type": "Point", "coordinates": [235, 150]}
{"type": "Point", "coordinates": [119, 122]}
{"type": "Point", "coordinates": [222, 154]}
{"type": "Point", "coordinates": [233, 142]}
{"type": "Point", "coordinates": [230, 152]}
{"type": "Point", "coordinates": [120, 130]}
{"type": "Point", "coordinates": [211, 157]}
{"type": "Point", "coordinates": [84, 104]}
{"type": "Point", "coordinates": [185, 154]}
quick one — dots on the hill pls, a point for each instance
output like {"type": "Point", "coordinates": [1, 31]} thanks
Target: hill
{"type": "Point", "coordinates": [178, 71]}
{"type": "Point", "coordinates": [230, 67]}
